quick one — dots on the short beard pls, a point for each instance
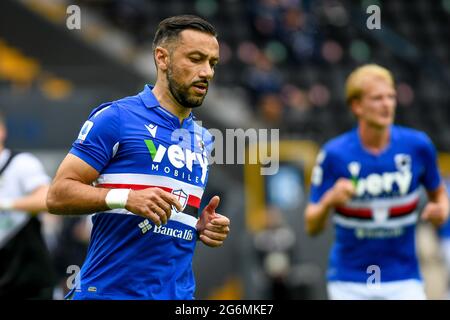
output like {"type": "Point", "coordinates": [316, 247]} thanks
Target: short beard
{"type": "Point", "coordinates": [181, 92]}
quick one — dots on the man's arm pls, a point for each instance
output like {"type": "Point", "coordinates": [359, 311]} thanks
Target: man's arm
{"type": "Point", "coordinates": [30, 175]}
{"type": "Point", "coordinates": [71, 193]}
{"type": "Point", "coordinates": [33, 202]}
{"type": "Point", "coordinates": [316, 214]}
{"type": "Point", "coordinates": [437, 209]}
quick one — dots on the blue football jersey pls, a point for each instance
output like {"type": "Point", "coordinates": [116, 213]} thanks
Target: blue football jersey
{"type": "Point", "coordinates": [135, 143]}
{"type": "Point", "coordinates": [376, 229]}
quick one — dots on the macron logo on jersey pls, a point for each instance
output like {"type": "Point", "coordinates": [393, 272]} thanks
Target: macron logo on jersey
{"type": "Point", "coordinates": [152, 129]}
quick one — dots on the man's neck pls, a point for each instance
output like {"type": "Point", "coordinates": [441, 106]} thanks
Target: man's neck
{"type": "Point", "coordinates": [375, 140]}
{"type": "Point", "coordinates": [168, 102]}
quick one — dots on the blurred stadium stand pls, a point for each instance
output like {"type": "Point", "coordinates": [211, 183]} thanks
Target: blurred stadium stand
{"type": "Point", "coordinates": [283, 65]}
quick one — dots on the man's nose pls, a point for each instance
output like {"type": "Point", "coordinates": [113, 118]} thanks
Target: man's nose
{"type": "Point", "coordinates": [388, 101]}
{"type": "Point", "coordinates": [207, 72]}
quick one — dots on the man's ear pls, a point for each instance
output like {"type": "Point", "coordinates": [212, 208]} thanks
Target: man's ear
{"type": "Point", "coordinates": [162, 58]}
{"type": "Point", "coordinates": [355, 105]}
{"type": "Point", "coordinates": [3, 134]}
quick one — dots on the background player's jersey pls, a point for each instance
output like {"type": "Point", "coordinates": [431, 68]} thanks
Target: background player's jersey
{"type": "Point", "coordinates": [375, 231]}
{"type": "Point", "coordinates": [134, 143]}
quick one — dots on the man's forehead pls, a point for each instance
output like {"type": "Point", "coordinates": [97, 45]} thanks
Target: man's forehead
{"type": "Point", "coordinates": [193, 34]}
{"type": "Point", "coordinates": [374, 83]}
{"type": "Point", "coordinates": [197, 40]}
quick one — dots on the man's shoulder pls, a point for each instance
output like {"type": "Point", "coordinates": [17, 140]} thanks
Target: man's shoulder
{"type": "Point", "coordinates": [413, 137]}
{"type": "Point", "coordinates": [338, 147]}
{"type": "Point", "coordinates": [341, 142]}
{"type": "Point", "coordinates": [112, 108]}
{"type": "Point", "coordinates": [129, 101]}
{"type": "Point", "coordinates": [407, 131]}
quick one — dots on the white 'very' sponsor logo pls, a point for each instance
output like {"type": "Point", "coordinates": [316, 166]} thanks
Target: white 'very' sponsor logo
{"type": "Point", "coordinates": [180, 158]}
{"type": "Point", "coordinates": [375, 184]}
{"type": "Point", "coordinates": [177, 156]}
{"type": "Point", "coordinates": [152, 129]}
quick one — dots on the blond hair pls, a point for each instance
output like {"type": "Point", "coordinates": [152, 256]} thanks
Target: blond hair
{"type": "Point", "coordinates": [355, 81]}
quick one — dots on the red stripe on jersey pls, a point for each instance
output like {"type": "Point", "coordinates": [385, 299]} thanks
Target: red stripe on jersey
{"type": "Point", "coordinates": [192, 200]}
{"type": "Point", "coordinates": [353, 212]}
{"type": "Point", "coordinates": [367, 213]}
{"type": "Point", "coordinates": [404, 209]}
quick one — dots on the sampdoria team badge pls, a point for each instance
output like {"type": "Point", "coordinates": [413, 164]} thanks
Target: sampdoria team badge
{"type": "Point", "coordinates": [182, 198]}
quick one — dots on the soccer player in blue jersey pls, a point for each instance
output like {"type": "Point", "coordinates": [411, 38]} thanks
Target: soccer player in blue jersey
{"type": "Point", "coordinates": [370, 178]}
{"type": "Point", "coordinates": [140, 164]}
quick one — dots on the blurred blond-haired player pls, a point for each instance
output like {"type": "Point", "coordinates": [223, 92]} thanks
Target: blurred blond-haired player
{"type": "Point", "coordinates": [370, 179]}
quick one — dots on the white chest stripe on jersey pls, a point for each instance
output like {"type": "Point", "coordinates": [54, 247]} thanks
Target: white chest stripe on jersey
{"type": "Point", "coordinates": [175, 216]}
{"type": "Point", "coordinates": [150, 180]}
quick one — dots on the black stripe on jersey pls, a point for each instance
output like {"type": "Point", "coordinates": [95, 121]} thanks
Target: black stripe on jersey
{"type": "Point", "coordinates": [352, 216]}
{"type": "Point", "coordinates": [192, 211]}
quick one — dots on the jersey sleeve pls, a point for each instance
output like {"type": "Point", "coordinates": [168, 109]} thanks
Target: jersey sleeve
{"type": "Point", "coordinates": [431, 178]}
{"type": "Point", "coordinates": [98, 137]}
{"type": "Point", "coordinates": [31, 174]}
{"type": "Point", "coordinates": [322, 177]}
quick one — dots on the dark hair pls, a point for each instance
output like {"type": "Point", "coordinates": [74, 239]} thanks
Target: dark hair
{"type": "Point", "coordinates": [171, 27]}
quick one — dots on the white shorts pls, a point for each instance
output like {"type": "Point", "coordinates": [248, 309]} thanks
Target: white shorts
{"type": "Point", "coordinates": [445, 250]}
{"type": "Point", "coordinates": [393, 290]}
